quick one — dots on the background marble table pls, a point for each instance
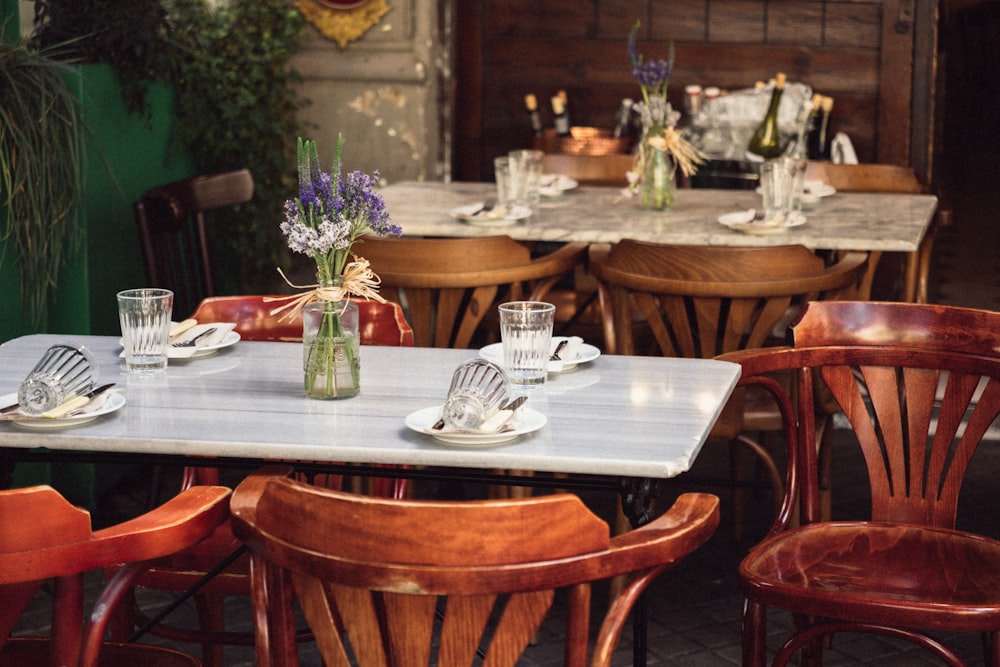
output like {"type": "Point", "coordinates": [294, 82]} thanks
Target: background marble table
{"type": "Point", "coordinates": [843, 221]}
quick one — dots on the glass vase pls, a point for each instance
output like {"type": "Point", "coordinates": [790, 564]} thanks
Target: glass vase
{"type": "Point", "coordinates": [656, 192]}
{"type": "Point", "coordinates": [331, 349]}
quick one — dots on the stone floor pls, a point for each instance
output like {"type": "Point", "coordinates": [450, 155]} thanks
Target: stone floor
{"type": "Point", "coordinates": [694, 610]}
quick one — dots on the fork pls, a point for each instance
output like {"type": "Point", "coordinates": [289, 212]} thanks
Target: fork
{"type": "Point", "coordinates": [555, 353]}
{"type": "Point", "coordinates": [758, 215]}
{"type": "Point", "coordinates": [191, 342]}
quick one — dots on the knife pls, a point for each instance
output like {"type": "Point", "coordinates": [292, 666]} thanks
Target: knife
{"type": "Point", "coordinates": [10, 410]}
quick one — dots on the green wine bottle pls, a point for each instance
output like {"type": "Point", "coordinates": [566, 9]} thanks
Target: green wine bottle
{"type": "Point", "coordinates": [766, 141]}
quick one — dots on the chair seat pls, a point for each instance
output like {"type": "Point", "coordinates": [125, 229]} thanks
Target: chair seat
{"type": "Point", "coordinates": [30, 651]}
{"type": "Point", "coordinates": [868, 571]}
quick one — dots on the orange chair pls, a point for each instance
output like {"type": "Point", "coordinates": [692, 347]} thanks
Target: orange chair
{"type": "Point", "coordinates": [42, 536]}
{"type": "Point", "coordinates": [373, 574]}
{"type": "Point", "coordinates": [381, 323]}
{"type": "Point", "coordinates": [920, 386]}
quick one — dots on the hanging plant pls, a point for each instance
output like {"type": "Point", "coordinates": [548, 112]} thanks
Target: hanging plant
{"type": "Point", "coordinates": [39, 172]}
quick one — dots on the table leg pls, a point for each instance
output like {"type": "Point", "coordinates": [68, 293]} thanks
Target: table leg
{"type": "Point", "coordinates": [637, 496]}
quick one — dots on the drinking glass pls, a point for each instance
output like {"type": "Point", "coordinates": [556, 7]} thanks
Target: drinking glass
{"type": "Point", "coordinates": [478, 391]}
{"type": "Point", "coordinates": [64, 371]}
{"type": "Point", "coordinates": [526, 167]}
{"type": "Point", "coordinates": [777, 182]}
{"type": "Point", "coordinates": [144, 315]}
{"type": "Point", "coordinates": [526, 335]}
{"type": "Point", "coordinates": [503, 174]}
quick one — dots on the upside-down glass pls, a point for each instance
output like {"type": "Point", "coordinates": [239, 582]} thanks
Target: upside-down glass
{"type": "Point", "coordinates": [144, 315]}
{"type": "Point", "coordinates": [526, 334]}
{"type": "Point", "coordinates": [64, 371]}
{"type": "Point", "coordinates": [478, 390]}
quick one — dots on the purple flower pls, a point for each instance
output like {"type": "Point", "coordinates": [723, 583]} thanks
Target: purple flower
{"type": "Point", "coordinates": [332, 212]}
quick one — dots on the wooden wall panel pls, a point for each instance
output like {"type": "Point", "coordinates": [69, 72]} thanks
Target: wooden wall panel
{"type": "Point", "coordinates": [851, 50]}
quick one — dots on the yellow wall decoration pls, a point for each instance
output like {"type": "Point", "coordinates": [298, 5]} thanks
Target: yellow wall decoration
{"type": "Point", "coordinates": [343, 21]}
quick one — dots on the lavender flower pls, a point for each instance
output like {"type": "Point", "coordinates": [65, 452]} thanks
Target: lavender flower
{"type": "Point", "coordinates": [653, 75]}
{"type": "Point", "coordinates": [332, 212]}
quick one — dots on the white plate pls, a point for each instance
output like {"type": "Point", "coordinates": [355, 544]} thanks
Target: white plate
{"type": "Point", "coordinates": [814, 190]}
{"type": "Point", "coordinates": [553, 185]}
{"type": "Point", "coordinates": [230, 339]}
{"type": "Point", "coordinates": [113, 402]}
{"type": "Point", "coordinates": [475, 215]}
{"type": "Point", "coordinates": [742, 221]}
{"type": "Point", "coordinates": [526, 421]}
{"type": "Point", "coordinates": [585, 353]}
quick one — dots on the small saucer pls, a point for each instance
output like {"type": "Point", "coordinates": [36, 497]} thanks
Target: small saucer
{"type": "Point", "coordinates": [743, 221]}
{"type": "Point", "coordinates": [501, 216]}
{"type": "Point", "coordinates": [525, 421]}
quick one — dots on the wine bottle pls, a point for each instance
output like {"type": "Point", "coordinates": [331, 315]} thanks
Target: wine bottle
{"type": "Point", "coordinates": [623, 120]}
{"type": "Point", "coordinates": [561, 93]}
{"type": "Point", "coordinates": [531, 104]}
{"type": "Point", "coordinates": [819, 143]}
{"type": "Point", "coordinates": [766, 140]}
{"type": "Point", "coordinates": [560, 117]}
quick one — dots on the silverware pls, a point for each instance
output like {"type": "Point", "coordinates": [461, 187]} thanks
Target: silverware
{"type": "Point", "coordinates": [559, 348]}
{"type": "Point", "coordinates": [10, 412]}
{"type": "Point", "coordinates": [191, 342]}
{"type": "Point", "coordinates": [512, 405]}
{"type": "Point", "coordinates": [758, 215]}
{"type": "Point", "coordinates": [487, 206]}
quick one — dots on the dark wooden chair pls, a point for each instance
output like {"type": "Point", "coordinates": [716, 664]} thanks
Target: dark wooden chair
{"type": "Point", "coordinates": [888, 178]}
{"type": "Point", "coordinates": [920, 386]}
{"type": "Point", "coordinates": [43, 537]}
{"type": "Point", "coordinates": [449, 287]}
{"type": "Point", "coordinates": [702, 301]}
{"type": "Point", "coordinates": [380, 323]}
{"type": "Point", "coordinates": [174, 239]}
{"type": "Point", "coordinates": [370, 574]}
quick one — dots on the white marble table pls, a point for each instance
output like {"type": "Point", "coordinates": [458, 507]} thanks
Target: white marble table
{"type": "Point", "coordinates": [844, 221]}
{"type": "Point", "coordinates": [617, 416]}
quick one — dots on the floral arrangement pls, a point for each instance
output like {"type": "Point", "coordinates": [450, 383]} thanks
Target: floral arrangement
{"type": "Point", "coordinates": [324, 222]}
{"type": "Point", "coordinates": [657, 117]}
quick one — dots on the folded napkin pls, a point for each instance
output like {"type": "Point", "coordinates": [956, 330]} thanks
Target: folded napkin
{"type": "Point", "coordinates": [222, 329]}
{"type": "Point", "coordinates": [569, 353]}
{"type": "Point", "coordinates": [179, 328]}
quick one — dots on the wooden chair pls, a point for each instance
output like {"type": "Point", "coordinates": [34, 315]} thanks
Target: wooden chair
{"type": "Point", "coordinates": [887, 178]}
{"type": "Point", "coordinates": [380, 323]}
{"type": "Point", "coordinates": [174, 239]}
{"type": "Point", "coordinates": [702, 301]}
{"type": "Point", "coordinates": [920, 386]}
{"type": "Point", "coordinates": [44, 537]}
{"type": "Point", "coordinates": [370, 573]}
{"type": "Point", "coordinates": [449, 286]}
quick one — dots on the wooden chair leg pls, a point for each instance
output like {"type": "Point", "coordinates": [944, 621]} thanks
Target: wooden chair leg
{"type": "Point", "coordinates": [211, 617]}
{"type": "Point", "coordinates": [754, 635]}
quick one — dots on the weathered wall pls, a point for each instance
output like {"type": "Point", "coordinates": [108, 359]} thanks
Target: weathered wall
{"type": "Point", "coordinates": [383, 92]}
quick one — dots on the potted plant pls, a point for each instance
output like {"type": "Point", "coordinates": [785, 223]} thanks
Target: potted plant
{"type": "Point", "coordinates": [39, 174]}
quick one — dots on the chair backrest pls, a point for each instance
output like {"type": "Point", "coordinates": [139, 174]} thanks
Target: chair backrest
{"type": "Point", "coordinates": [173, 235]}
{"type": "Point", "coordinates": [919, 384]}
{"type": "Point", "coordinates": [610, 169]}
{"type": "Point", "coordinates": [448, 286]}
{"type": "Point", "coordinates": [866, 177]}
{"type": "Point", "coordinates": [43, 536]}
{"type": "Point", "coordinates": [374, 568]}
{"type": "Point", "coordinates": [380, 323]}
{"type": "Point", "coordinates": [702, 301]}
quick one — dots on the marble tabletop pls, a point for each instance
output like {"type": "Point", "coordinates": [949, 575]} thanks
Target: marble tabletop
{"type": "Point", "coordinates": [843, 221]}
{"type": "Point", "coordinates": [614, 416]}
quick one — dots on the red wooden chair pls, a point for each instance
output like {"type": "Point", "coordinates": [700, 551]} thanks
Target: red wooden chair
{"type": "Point", "coordinates": [43, 537]}
{"type": "Point", "coordinates": [381, 323]}
{"type": "Point", "coordinates": [920, 386]}
{"type": "Point", "coordinates": [369, 573]}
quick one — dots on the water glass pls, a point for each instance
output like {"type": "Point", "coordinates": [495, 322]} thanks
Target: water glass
{"type": "Point", "coordinates": [64, 371]}
{"type": "Point", "coordinates": [478, 391]}
{"type": "Point", "coordinates": [526, 165]}
{"type": "Point", "coordinates": [503, 175]}
{"type": "Point", "coordinates": [777, 187]}
{"type": "Point", "coordinates": [526, 334]}
{"type": "Point", "coordinates": [144, 315]}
